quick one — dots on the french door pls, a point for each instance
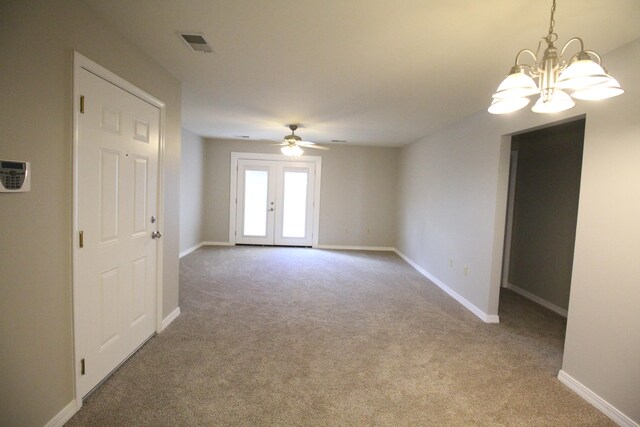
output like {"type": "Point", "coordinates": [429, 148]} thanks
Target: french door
{"type": "Point", "coordinates": [274, 203]}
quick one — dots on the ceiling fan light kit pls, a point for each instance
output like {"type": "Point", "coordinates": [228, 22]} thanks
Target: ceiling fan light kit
{"type": "Point", "coordinates": [292, 151]}
{"type": "Point", "coordinates": [582, 75]}
{"type": "Point", "coordinates": [292, 144]}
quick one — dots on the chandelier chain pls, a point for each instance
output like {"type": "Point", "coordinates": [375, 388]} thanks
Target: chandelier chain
{"type": "Point", "coordinates": [552, 22]}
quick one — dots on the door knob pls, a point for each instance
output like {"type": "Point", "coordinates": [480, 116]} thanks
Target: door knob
{"type": "Point", "coordinates": [270, 210]}
{"type": "Point", "coordinates": [156, 235]}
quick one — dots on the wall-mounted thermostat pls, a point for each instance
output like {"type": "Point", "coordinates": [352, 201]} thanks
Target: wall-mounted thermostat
{"type": "Point", "coordinates": [14, 176]}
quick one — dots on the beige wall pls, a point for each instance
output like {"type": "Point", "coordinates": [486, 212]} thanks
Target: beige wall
{"type": "Point", "coordinates": [37, 40]}
{"type": "Point", "coordinates": [602, 347]}
{"type": "Point", "coordinates": [191, 190]}
{"type": "Point", "coordinates": [358, 204]}
{"type": "Point", "coordinates": [546, 211]}
{"type": "Point", "coordinates": [452, 203]}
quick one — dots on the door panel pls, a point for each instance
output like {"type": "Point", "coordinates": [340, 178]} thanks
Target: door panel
{"type": "Point", "coordinates": [255, 201]}
{"type": "Point", "coordinates": [118, 141]}
{"type": "Point", "coordinates": [140, 185]}
{"type": "Point", "coordinates": [109, 183]}
{"type": "Point", "coordinates": [294, 216]}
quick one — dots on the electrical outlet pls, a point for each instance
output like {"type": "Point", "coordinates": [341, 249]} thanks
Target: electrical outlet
{"type": "Point", "coordinates": [450, 262]}
{"type": "Point", "coordinates": [466, 270]}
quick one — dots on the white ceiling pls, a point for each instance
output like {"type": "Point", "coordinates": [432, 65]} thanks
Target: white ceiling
{"type": "Point", "coordinates": [372, 72]}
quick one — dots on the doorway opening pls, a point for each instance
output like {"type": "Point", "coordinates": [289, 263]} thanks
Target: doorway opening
{"type": "Point", "coordinates": [275, 200]}
{"type": "Point", "coordinates": [540, 230]}
{"type": "Point", "coordinates": [542, 210]}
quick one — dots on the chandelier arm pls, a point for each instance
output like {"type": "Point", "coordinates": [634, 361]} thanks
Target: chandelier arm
{"type": "Point", "coordinates": [590, 52]}
{"type": "Point", "coordinates": [530, 52]}
{"type": "Point", "coordinates": [569, 42]}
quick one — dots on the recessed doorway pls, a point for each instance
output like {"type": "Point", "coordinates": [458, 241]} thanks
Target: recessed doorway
{"type": "Point", "coordinates": [544, 189]}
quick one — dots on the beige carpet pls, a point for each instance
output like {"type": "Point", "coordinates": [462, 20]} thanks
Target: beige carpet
{"type": "Point", "coordinates": [284, 336]}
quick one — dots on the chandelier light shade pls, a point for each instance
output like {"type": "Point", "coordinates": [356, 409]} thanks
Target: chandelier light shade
{"type": "Point", "coordinates": [508, 105]}
{"type": "Point", "coordinates": [602, 91]}
{"type": "Point", "coordinates": [560, 101]}
{"type": "Point", "coordinates": [518, 84]}
{"type": "Point", "coordinates": [558, 80]}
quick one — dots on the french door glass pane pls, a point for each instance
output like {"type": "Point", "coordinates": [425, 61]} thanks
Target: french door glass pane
{"type": "Point", "coordinates": [295, 204]}
{"type": "Point", "coordinates": [256, 184]}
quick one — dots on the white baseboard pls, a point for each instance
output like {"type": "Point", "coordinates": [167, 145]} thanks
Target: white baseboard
{"type": "Point", "coordinates": [602, 405]}
{"type": "Point", "coordinates": [487, 318]}
{"type": "Point", "coordinates": [356, 248]}
{"type": "Point", "coordinates": [170, 318]}
{"type": "Point", "coordinates": [201, 244]}
{"type": "Point", "coordinates": [559, 310]}
{"type": "Point", "coordinates": [64, 415]}
{"type": "Point", "coordinates": [217, 244]}
{"type": "Point", "coordinates": [191, 249]}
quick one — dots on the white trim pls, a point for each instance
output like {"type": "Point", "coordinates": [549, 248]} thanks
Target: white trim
{"type": "Point", "coordinates": [356, 248]}
{"type": "Point", "coordinates": [511, 197]}
{"type": "Point", "coordinates": [316, 200]}
{"type": "Point", "coordinates": [65, 414]}
{"type": "Point", "coordinates": [160, 219]}
{"type": "Point", "coordinates": [218, 244]}
{"type": "Point", "coordinates": [598, 402]}
{"type": "Point", "coordinates": [233, 196]}
{"type": "Point", "coordinates": [191, 249]}
{"type": "Point", "coordinates": [170, 318]}
{"type": "Point", "coordinates": [487, 318]}
{"type": "Point", "coordinates": [81, 62]}
{"type": "Point", "coordinates": [546, 304]}
{"type": "Point", "coordinates": [233, 188]}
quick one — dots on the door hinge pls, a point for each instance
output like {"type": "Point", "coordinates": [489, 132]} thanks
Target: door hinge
{"type": "Point", "coordinates": [81, 366]}
{"type": "Point", "coordinates": [82, 104]}
{"type": "Point", "coordinates": [81, 238]}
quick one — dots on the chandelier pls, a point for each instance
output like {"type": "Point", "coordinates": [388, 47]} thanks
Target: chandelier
{"type": "Point", "coordinates": [581, 77]}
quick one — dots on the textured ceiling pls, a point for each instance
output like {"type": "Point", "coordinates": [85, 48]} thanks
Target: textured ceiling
{"type": "Point", "coordinates": [372, 72]}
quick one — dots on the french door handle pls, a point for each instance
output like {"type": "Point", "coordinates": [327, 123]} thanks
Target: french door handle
{"type": "Point", "coordinates": [155, 235]}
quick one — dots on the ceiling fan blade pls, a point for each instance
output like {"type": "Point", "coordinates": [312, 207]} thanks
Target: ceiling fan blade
{"type": "Point", "coordinates": [316, 147]}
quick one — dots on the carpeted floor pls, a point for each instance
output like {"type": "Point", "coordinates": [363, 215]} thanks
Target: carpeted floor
{"type": "Point", "coordinates": [284, 336]}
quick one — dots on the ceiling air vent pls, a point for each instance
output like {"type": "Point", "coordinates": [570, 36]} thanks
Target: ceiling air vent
{"type": "Point", "coordinates": [195, 42]}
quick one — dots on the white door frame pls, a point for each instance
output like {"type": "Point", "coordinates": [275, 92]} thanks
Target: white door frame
{"type": "Point", "coordinates": [511, 197]}
{"type": "Point", "coordinates": [279, 157]}
{"type": "Point", "coordinates": [81, 62]}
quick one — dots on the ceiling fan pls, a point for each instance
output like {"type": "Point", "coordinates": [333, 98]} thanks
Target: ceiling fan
{"type": "Point", "coordinates": [291, 145]}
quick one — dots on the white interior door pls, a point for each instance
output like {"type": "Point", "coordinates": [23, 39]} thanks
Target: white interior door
{"type": "Point", "coordinates": [274, 204]}
{"type": "Point", "coordinates": [117, 160]}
